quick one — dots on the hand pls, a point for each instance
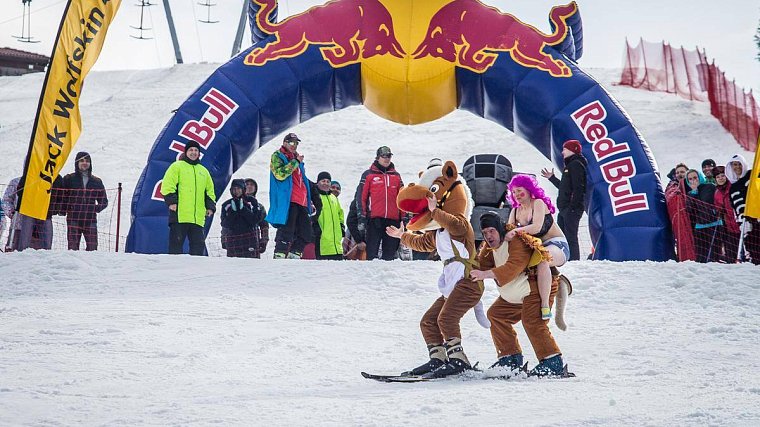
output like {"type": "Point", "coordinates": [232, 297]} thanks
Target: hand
{"type": "Point", "coordinates": [432, 203]}
{"type": "Point", "coordinates": [395, 232]}
{"type": "Point", "coordinates": [511, 234]}
{"type": "Point", "coordinates": [173, 207]}
{"type": "Point", "coordinates": [299, 157]}
{"type": "Point", "coordinates": [481, 275]}
{"type": "Point", "coordinates": [546, 173]}
{"type": "Point", "coordinates": [209, 212]}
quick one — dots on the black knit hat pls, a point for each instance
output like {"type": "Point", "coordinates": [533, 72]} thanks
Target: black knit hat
{"type": "Point", "coordinates": [190, 144]}
{"type": "Point", "coordinates": [707, 162]}
{"type": "Point", "coordinates": [239, 183]}
{"type": "Point", "coordinates": [492, 219]}
{"type": "Point", "coordinates": [324, 175]}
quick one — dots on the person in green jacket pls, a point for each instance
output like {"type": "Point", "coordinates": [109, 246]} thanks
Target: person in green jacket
{"type": "Point", "coordinates": [331, 224]}
{"type": "Point", "coordinates": [188, 190]}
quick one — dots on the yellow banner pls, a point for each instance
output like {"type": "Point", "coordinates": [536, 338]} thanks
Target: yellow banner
{"type": "Point", "coordinates": [58, 124]}
{"type": "Point", "coordinates": [753, 193]}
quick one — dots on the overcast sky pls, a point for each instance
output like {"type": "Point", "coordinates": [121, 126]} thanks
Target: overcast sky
{"type": "Point", "coordinates": [724, 28]}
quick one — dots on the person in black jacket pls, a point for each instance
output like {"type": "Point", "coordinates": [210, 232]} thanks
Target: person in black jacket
{"type": "Point", "coordinates": [240, 216]}
{"type": "Point", "coordinates": [84, 197]}
{"type": "Point", "coordinates": [706, 223]}
{"type": "Point", "coordinates": [572, 193]}
{"type": "Point", "coordinates": [262, 229]}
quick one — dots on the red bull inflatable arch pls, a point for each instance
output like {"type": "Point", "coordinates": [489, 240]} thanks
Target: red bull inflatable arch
{"type": "Point", "coordinates": [413, 61]}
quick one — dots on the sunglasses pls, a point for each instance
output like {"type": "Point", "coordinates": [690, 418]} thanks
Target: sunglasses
{"type": "Point", "coordinates": [386, 156]}
{"type": "Point", "coordinates": [293, 143]}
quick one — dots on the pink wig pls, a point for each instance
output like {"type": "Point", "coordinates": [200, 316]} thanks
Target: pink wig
{"type": "Point", "coordinates": [531, 185]}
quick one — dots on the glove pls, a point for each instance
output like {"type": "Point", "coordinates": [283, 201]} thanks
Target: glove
{"type": "Point", "coordinates": [362, 224]}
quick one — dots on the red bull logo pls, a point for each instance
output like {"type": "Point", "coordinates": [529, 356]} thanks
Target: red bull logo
{"type": "Point", "coordinates": [347, 31]}
{"type": "Point", "coordinates": [470, 34]}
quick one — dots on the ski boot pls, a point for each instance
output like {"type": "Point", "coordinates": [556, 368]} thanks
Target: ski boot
{"type": "Point", "coordinates": [437, 359]}
{"type": "Point", "coordinates": [512, 362]}
{"type": "Point", "coordinates": [294, 255]}
{"type": "Point", "coordinates": [279, 255]}
{"type": "Point", "coordinates": [457, 363]}
{"type": "Point", "coordinates": [552, 366]}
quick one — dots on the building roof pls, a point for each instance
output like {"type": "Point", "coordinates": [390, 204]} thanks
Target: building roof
{"type": "Point", "coordinates": [7, 52]}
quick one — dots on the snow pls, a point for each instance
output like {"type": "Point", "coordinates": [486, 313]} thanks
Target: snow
{"type": "Point", "coordinates": [107, 338]}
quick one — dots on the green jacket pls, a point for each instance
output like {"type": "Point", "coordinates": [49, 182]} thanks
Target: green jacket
{"type": "Point", "coordinates": [189, 186]}
{"type": "Point", "coordinates": [332, 225]}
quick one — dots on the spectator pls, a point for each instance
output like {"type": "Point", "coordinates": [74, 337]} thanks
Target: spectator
{"type": "Point", "coordinates": [700, 204]}
{"type": "Point", "coordinates": [27, 232]}
{"type": "Point", "coordinates": [289, 200]}
{"type": "Point", "coordinates": [262, 228]}
{"type": "Point", "coordinates": [678, 173]}
{"type": "Point", "coordinates": [84, 197]}
{"type": "Point", "coordinates": [572, 193]}
{"type": "Point", "coordinates": [739, 174]}
{"type": "Point", "coordinates": [354, 246]}
{"type": "Point", "coordinates": [376, 198]}
{"type": "Point", "coordinates": [335, 188]}
{"type": "Point", "coordinates": [9, 203]}
{"type": "Point", "coordinates": [675, 198]}
{"type": "Point", "coordinates": [188, 191]}
{"type": "Point", "coordinates": [240, 217]}
{"type": "Point", "coordinates": [728, 235]}
{"type": "Point", "coordinates": [330, 221]}
{"type": "Point", "coordinates": [310, 250]}
{"type": "Point", "coordinates": [707, 170]}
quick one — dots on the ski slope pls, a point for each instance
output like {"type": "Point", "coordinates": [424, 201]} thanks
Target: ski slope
{"type": "Point", "coordinates": [109, 339]}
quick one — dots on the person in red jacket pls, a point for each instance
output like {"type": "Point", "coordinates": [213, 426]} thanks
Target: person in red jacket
{"type": "Point", "coordinates": [728, 234]}
{"type": "Point", "coordinates": [376, 204]}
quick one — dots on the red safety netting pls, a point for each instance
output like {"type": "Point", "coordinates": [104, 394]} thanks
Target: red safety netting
{"type": "Point", "coordinates": [708, 232]}
{"type": "Point", "coordinates": [662, 68]}
{"type": "Point", "coordinates": [79, 219]}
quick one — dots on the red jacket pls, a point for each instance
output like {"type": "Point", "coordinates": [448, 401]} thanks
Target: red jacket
{"type": "Point", "coordinates": [725, 209]}
{"type": "Point", "coordinates": [679, 219]}
{"type": "Point", "coordinates": [377, 192]}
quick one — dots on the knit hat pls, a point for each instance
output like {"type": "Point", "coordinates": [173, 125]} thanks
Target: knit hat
{"type": "Point", "coordinates": [239, 183]}
{"type": "Point", "coordinates": [190, 144]}
{"type": "Point", "coordinates": [707, 162]}
{"type": "Point", "coordinates": [573, 145]}
{"type": "Point", "coordinates": [384, 151]}
{"type": "Point", "coordinates": [324, 175]}
{"type": "Point", "coordinates": [335, 184]}
{"type": "Point", "coordinates": [492, 219]}
{"type": "Point", "coordinates": [717, 170]}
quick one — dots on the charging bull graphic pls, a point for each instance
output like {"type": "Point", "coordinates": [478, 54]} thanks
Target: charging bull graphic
{"type": "Point", "coordinates": [349, 31]}
{"type": "Point", "coordinates": [468, 33]}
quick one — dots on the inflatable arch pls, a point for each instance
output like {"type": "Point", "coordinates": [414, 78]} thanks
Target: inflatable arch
{"type": "Point", "coordinates": [412, 62]}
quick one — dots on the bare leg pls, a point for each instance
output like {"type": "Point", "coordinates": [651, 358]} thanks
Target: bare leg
{"type": "Point", "coordinates": [544, 288]}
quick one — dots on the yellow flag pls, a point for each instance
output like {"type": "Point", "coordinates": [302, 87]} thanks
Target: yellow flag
{"type": "Point", "coordinates": [58, 124]}
{"type": "Point", "coordinates": [753, 193]}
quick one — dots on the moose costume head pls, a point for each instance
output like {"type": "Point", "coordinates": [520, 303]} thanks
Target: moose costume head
{"type": "Point", "coordinates": [452, 194]}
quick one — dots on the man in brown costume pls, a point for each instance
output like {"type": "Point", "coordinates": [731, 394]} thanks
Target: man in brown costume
{"type": "Point", "coordinates": [511, 262]}
{"type": "Point", "coordinates": [441, 205]}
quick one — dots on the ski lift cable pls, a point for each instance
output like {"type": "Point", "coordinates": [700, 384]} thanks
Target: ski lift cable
{"type": "Point", "coordinates": [155, 38]}
{"type": "Point", "coordinates": [197, 32]}
{"type": "Point", "coordinates": [36, 11]}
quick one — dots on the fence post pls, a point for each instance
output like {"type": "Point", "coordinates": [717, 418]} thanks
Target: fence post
{"type": "Point", "coordinates": [118, 215]}
{"type": "Point", "coordinates": [644, 57]}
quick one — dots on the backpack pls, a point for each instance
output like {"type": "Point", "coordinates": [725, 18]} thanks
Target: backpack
{"type": "Point", "coordinates": [487, 176]}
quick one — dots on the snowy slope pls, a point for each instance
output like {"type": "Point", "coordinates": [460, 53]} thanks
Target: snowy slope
{"type": "Point", "coordinates": [102, 338]}
{"type": "Point", "coordinates": [114, 339]}
{"type": "Point", "coordinates": [123, 112]}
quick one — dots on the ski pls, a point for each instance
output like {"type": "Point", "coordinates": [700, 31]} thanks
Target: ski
{"type": "Point", "coordinates": [466, 376]}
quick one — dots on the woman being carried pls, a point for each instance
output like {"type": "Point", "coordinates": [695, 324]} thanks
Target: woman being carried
{"type": "Point", "coordinates": [532, 214]}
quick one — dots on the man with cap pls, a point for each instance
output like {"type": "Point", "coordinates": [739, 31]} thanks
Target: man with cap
{"type": "Point", "coordinates": [510, 260]}
{"type": "Point", "coordinates": [330, 221]}
{"type": "Point", "coordinates": [84, 197]}
{"type": "Point", "coordinates": [376, 197]}
{"type": "Point", "coordinates": [240, 217]}
{"type": "Point", "coordinates": [262, 229]}
{"type": "Point", "coordinates": [289, 200]}
{"type": "Point", "coordinates": [572, 193]}
{"type": "Point", "coordinates": [188, 191]}
{"type": "Point", "coordinates": [707, 170]}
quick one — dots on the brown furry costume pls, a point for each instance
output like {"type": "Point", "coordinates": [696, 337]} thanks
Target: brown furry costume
{"type": "Point", "coordinates": [447, 230]}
